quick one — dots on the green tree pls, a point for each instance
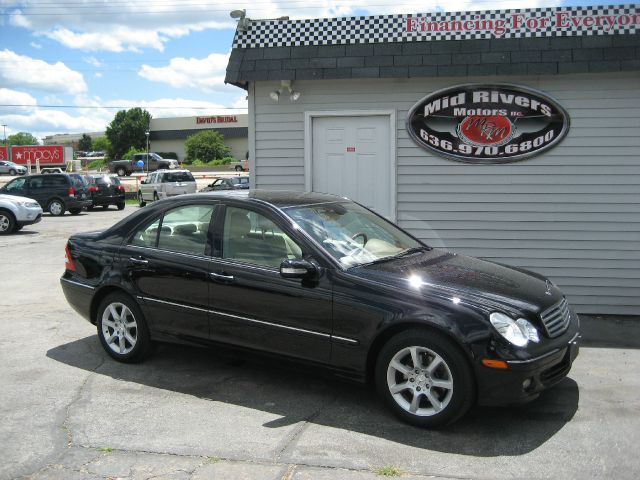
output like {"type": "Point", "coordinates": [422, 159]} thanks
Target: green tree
{"type": "Point", "coordinates": [22, 138]}
{"type": "Point", "coordinates": [206, 146]}
{"type": "Point", "coordinates": [127, 130]}
{"type": "Point", "coordinates": [85, 143]}
{"type": "Point", "coordinates": [101, 144]}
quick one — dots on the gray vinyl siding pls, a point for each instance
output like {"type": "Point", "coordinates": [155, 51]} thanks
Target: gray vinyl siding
{"type": "Point", "coordinates": [572, 213]}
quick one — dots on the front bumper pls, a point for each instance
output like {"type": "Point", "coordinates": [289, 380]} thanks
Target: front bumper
{"type": "Point", "coordinates": [523, 381]}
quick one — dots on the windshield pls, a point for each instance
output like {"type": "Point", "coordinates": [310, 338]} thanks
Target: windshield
{"type": "Point", "coordinates": [352, 234]}
{"type": "Point", "coordinates": [178, 177]}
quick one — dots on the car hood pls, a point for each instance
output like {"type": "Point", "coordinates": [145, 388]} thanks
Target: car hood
{"type": "Point", "coordinates": [486, 285]}
{"type": "Point", "coordinates": [15, 198]}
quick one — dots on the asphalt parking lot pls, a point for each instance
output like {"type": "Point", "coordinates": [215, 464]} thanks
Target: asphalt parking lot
{"type": "Point", "coordinates": [70, 412]}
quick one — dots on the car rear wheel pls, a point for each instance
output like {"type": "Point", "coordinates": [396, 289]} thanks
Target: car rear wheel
{"type": "Point", "coordinates": [141, 201]}
{"type": "Point", "coordinates": [424, 378]}
{"type": "Point", "coordinates": [121, 172]}
{"type": "Point", "coordinates": [122, 329]}
{"type": "Point", "coordinates": [56, 207]}
{"type": "Point", "coordinates": [7, 222]}
{"type": "Point", "coordinates": [239, 168]}
{"type": "Point", "coordinates": [155, 196]}
{"type": "Point", "coordinates": [120, 206]}
{"type": "Point", "coordinates": [105, 207]}
{"type": "Point", "coordinates": [89, 208]}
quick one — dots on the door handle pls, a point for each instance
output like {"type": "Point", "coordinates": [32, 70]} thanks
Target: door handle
{"type": "Point", "coordinates": [217, 277]}
{"type": "Point", "coordinates": [138, 261]}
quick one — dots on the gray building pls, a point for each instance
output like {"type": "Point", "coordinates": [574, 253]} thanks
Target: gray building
{"type": "Point", "coordinates": [329, 106]}
{"type": "Point", "coordinates": [169, 134]}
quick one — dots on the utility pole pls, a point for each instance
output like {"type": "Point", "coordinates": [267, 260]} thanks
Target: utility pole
{"type": "Point", "coordinates": [5, 134]}
{"type": "Point", "coordinates": [147, 134]}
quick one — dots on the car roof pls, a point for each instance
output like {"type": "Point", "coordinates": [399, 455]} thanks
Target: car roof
{"type": "Point", "coordinates": [279, 198]}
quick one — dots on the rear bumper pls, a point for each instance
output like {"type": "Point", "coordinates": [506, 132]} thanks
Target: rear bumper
{"type": "Point", "coordinates": [107, 200]}
{"type": "Point", "coordinates": [73, 202]}
{"type": "Point", "coordinates": [78, 295]}
{"type": "Point", "coordinates": [503, 387]}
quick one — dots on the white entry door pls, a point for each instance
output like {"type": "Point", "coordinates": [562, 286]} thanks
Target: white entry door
{"type": "Point", "coordinates": [351, 157]}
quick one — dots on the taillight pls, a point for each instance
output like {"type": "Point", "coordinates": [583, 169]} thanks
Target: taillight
{"type": "Point", "coordinates": [93, 189]}
{"type": "Point", "coordinates": [68, 261]}
{"type": "Point", "coordinates": [120, 188]}
{"type": "Point", "coordinates": [72, 192]}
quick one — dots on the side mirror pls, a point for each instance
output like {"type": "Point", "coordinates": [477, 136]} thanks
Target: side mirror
{"type": "Point", "coordinates": [297, 269]}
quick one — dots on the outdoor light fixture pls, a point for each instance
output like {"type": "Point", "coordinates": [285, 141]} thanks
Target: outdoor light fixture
{"type": "Point", "coordinates": [285, 85]}
{"type": "Point", "coordinates": [243, 22]}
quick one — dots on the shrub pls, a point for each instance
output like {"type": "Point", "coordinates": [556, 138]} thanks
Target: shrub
{"type": "Point", "coordinates": [206, 146]}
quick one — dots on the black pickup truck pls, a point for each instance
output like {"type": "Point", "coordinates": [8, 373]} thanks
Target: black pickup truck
{"type": "Point", "coordinates": [151, 163]}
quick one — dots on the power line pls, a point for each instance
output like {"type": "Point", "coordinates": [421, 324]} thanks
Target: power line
{"type": "Point", "coordinates": [288, 6]}
{"type": "Point", "coordinates": [95, 107]}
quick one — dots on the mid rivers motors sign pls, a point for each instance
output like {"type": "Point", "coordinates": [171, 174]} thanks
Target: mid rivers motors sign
{"type": "Point", "coordinates": [44, 154]}
{"type": "Point", "coordinates": [487, 123]}
{"type": "Point", "coordinates": [3, 153]}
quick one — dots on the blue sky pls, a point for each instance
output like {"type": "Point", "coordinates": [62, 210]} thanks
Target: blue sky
{"type": "Point", "coordinates": [168, 56]}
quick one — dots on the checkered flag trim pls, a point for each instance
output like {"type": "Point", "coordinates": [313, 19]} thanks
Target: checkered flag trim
{"type": "Point", "coordinates": [539, 22]}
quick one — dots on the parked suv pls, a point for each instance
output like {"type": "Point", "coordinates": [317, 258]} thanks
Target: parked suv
{"type": "Point", "coordinates": [12, 168]}
{"type": "Point", "coordinates": [165, 183]}
{"type": "Point", "coordinates": [55, 192]}
{"type": "Point", "coordinates": [16, 212]}
{"type": "Point", "coordinates": [105, 190]}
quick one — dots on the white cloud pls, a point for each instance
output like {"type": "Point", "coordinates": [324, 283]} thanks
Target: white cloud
{"type": "Point", "coordinates": [93, 61]}
{"type": "Point", "coordinates": [206, 74]}
{"type": "Point", "coordinates": [133, 26]}
{"type": "Point", "coordinates": [36, 45]}
{"type": "Point", "coordinates": [26, 72]}
{"type": "Point", "coordinates": [15, 97]}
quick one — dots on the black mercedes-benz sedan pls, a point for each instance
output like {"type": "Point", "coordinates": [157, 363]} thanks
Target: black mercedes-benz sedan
{"type": "Point", "coordinates": [323, 280]}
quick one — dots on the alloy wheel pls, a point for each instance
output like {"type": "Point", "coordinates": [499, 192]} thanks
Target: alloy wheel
{"type": "Point", "coordinates": [119, 328]}
{"type": "Point", "coordinates": [420, 381]}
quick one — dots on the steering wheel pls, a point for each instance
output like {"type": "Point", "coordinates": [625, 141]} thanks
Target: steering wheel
{"type": "Point", "coordinates": [365, 239]}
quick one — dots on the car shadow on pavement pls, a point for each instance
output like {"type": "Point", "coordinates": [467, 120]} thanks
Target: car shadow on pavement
{"type": "Point", "coordinates": [305, 394]}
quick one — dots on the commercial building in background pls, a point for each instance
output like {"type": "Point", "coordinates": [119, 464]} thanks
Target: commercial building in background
{"type": "Point", "coordinates": [169, 134]}
{"type": "Point", "coordinates": [69, 139]}
{"type": "Point", "coordinates": [511, 135]}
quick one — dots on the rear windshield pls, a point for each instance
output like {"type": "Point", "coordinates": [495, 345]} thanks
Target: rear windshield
{"type": "Point", "coordinates": [77, 182]}
{"type": "Point", "coordinates": [107, 180]}
{"type": "Point", "coordinates": [178, 177]}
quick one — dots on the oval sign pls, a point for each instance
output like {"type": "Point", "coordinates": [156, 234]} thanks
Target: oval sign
{"type": "Point", "coordinates": [487, 123]}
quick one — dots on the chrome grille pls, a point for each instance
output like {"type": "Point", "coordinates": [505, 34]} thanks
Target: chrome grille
{"type": "Point", "coordinates": [556, 319]}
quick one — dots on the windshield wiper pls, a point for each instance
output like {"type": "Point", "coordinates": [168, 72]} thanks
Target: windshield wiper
{"type": "Point", "coordinates": [413, 250]}
{"type": "Point", "coordinates": [399, 255]}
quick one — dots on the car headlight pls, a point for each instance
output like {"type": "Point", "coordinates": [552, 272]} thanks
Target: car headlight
{"type": "Point", "coordinates": [518, 332]}
{"type": "Point", "coordinates": [27, 204]}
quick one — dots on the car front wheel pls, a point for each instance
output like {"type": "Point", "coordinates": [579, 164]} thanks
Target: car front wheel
{"type": "Point", "coordinates": [12, 172]}
{"type": "Point", "coordinates": [424, 378]}
{"type": "Point", "coordinates": [7, 223]}
{"type": "Point", "coordinates": [141, 201]}
{"type": "Point", "coordinates": [122, 329]}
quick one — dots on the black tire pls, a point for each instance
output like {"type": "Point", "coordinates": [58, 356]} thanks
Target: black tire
{"type": "Point", "coordinates": [120, 206]}
{"type": "Point", "coordinates": [435, 406]}
{"type": "Point", "coordinates": [56, 207]}
{"type": "Point", "coordinates": [105, 207]}
{"type": "Point", "coordinates": [7, 222]}
{"type": "Point", "coordinates": [17, 228]}
{"type": "Point", "coordinates": [121, 171]}
{"type": "Point", "coordinates": [155, 196]}
{"type": "Point", "coordinates": [141, 202]}
{"type": "Point", "coordinates": [239, 168]}
{"type": "Point", "coordinates": [89, 208]}
{"type": "Point", "coordinates": [75, 211]}
{"type": "Point", "coordinates": [125, 340]}
{"type": "Point", "coordinates": [12, 172]}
